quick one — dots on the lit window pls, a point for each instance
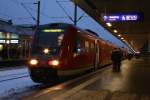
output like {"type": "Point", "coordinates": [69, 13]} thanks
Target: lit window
{"type": "Point", "coordinates": [8, 35]}
{"type": "Point", "coordinates": [14, 36]}
{"type": "Point", "coordinates": [13, 41]}
{"type": "Point", "coordinates": [2, 35]}
{"type": "Point", "coordinates": [2, 41]}
{"type": "Point", "coordinates": [86, 44]}
{"type": "Point", "coordinates": [92, 45]}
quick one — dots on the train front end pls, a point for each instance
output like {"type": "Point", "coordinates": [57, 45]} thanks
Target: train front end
{"type": "Point", "coordinates": [45, 53]}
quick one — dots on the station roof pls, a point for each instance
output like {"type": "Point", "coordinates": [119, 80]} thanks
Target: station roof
{"type": "Point", "coordinates": [6, 26]}
{"type": "Point", "coordinates": [136, 34]}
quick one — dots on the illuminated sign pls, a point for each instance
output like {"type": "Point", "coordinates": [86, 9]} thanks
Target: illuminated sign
{"type": "Point", "coordinates": [53, 30]}
{"type": "Point", "coordinates": [122, 17]}
{"type": "Point", "coordinates": [9, 41]}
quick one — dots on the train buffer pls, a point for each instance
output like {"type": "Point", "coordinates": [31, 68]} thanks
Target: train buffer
{"type": "Point", "coordinates": [131, 83]}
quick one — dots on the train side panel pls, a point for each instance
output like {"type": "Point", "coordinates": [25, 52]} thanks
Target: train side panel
{"type": "Point", "coordinates": [81, 54]}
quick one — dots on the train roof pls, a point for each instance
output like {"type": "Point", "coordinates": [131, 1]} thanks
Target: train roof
{"type": "Point", "coordinates": [63, 25]}
{"type": "Point", "coordinates": [92, 32]}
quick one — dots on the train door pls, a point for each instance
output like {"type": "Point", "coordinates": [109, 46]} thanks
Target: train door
{"type": "Point", "coordinates": [97, 59]}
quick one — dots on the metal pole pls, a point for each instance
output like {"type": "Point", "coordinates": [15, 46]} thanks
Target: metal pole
{"type": "Point", "coordinates": [75, 15]}
{"type": "Point", "coordinates": [38, 14]}
{"type": "Point", "coordinates": [8, 51]}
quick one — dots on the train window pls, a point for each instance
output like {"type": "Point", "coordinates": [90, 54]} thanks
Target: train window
{"type": "Point", "coordinates": [92, 45]}
{"type": "Point", "coordinates": [77, 47]}
{"type": "Point", "coordinates": [60, 38]}
{"type": "Point", "coordinates": [87, 46]}
{"type": "Point", "coordinates": [49, 39]}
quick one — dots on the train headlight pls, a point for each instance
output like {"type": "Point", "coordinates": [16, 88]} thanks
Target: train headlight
{"type": "Point", "coordinates": [46, 50]}
{"type": "Point", "coordinates": [33, 62]}
{"type": "Point", "coordinates": [53, 62]}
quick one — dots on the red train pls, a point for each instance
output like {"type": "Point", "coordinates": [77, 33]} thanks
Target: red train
{"type": "Point", "coordinates": [60, 50]}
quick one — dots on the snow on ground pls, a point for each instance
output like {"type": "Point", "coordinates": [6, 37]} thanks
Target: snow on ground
{"type": "Point", "coordinates": [9, 74]}
{"type": "Point", "coordinates": [9, 87]}
{"type": "Point", "coordinates": [7, 71]}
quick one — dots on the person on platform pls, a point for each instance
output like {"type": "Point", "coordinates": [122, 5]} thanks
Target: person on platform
{"type": "Point", "coordinates": [116, 58]}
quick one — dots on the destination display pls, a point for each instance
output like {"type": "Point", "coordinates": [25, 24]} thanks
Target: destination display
{"type": "Point", "coordinates": [122, 17]}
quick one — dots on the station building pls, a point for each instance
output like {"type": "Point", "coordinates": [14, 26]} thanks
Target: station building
{"type": "Point", "coordinates": [15, 41]}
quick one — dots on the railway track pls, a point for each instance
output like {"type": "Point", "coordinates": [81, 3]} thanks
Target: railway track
{"type": "Point", "coordinates": [13, 77]}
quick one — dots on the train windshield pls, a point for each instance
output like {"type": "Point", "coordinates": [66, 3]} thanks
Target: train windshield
{"type": "Point", "coordinates": [48, 38]}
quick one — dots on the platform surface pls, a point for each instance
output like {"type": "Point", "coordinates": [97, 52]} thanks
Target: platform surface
{"type": "Point", "coordinates": [131, 83]}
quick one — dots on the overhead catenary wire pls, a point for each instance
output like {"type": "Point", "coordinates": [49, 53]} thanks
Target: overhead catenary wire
{"type": "Point", "coordinates": [43, 14]}
{"type": "Point", "coordinates": [64, 10]}
{"type": "Point", "coordinates": [15, 1]}
{"type": "Point", "coordinates": [12, 18]}
{"type": "Point", "coordinates": [75, 20]}
{"type": "Point", "coordinates": [83, 15]}
{"type": "Point", "coordinates": [17, 18]}
{"type": "Point", "coordinates": [63, 0]}
{"type": "Point", "coordinates": [28, 12]}
{"type": "Point", "coordinates": [23, 4]}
